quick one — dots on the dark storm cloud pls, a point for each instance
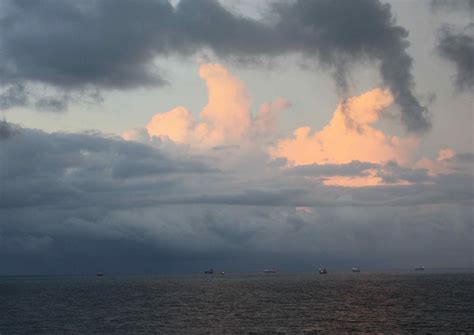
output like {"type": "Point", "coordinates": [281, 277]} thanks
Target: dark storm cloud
{"type": "Point", "coordinates": [78, 203]}
{"type": "Point", "coordinates": [62, 169]}
{"type": "Point", "coordinates": [458, 48]}
{"type": "Point", "coordinates": [7, 130]}
{"type": "Point", "coordinates": [112, 44]}
{"type": "Point", "coordinates": [457, 44]}
{"type": "Point", "coordinates": [41, 168]}
{"type": "Point", "coordinates": [82, 46]}
{"type": "Point", "coordinates": [341, 32]}
{"type": "Point", "coordinates": [106, 43]}
{"type": "Point", "coordinates": [336, 33]}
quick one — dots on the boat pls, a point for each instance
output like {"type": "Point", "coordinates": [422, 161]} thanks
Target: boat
{"type": "Point", "coordinates": [222, 273]}
{"type": "Point", "coordinates": [419, 268]}
{"type": "Point", "coordinates": [209, 272]}
{"type": "Point", "coordinates": [356, 269]}
{"type": "Point", "coordinates": [323, 271]}
{"type": "Point", "coordinates": [99, 274]}
{"type": "Point", "coordinates": [269, 271]}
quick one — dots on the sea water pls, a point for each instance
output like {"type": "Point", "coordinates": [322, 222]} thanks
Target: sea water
{"type": "Point", "coordinates": [238, 303]}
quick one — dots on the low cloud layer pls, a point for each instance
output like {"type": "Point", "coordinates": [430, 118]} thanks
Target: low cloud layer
{"type": "Point", "coordinates": [120, 41]}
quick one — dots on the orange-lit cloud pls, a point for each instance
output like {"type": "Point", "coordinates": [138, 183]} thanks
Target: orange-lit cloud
{"type": "Point", "coordinates": [348, 136]}
{"type": "Point", "coordinates": [176, 125]}
{"type": "Point", "coordinates": [445, 154]}
{"type": "Point", "coordinates": [226, 117]}
{"type": "Point", "coordinates": [225, 120]}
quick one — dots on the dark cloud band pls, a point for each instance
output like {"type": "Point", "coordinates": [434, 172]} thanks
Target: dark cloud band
{"type": "Point", "coordinates": [458, 48]}
{"type": "Point", "coordinates": [112, 44]}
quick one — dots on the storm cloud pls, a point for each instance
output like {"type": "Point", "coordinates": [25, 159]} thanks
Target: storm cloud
{"type": "Point", "coordinates": [115, 44]}
{"type": "Point", "coordinates": [79, 203]}
{"type": "Point", "coordinates": [456, 43]}
{"type": "Point", "coordinates": [458, 48]}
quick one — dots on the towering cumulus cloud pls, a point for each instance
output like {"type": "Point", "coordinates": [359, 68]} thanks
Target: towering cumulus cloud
{"type": "Point", "coordinates": [119, 41]}
{"type": "Point", "coordinates": [348, 151]}
{"type": "Point", "coordinates": [348, 136]}
{"type": "Point", "coordinates": [225, 120]}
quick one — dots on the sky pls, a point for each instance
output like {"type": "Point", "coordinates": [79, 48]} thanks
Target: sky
{"type": "Point", "coordinates": [174, 136]}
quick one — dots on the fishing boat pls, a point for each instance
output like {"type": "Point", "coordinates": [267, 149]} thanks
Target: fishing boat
{"type": "Point", "coordinates": [420, 268]}
{"type": "Point", "coordinates": [99, 274]}
{"type": "Point", "coordinates": [269, 271]}
{"type": "Point", "coordinates": [355, 269]}
{"type": "Point", "coordinates": [323, 271]}
{"type": "Point", "coordinates": [209, 272]}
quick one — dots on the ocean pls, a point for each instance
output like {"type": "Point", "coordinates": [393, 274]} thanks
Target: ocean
{"type": "Point", "coordinates": [302, 303]}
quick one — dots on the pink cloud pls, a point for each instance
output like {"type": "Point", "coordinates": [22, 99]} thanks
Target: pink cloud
{"type": "Point", "coordinates": [349, 136]}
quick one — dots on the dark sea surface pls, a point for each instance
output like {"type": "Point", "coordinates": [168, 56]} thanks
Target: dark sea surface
{"type": "Point", "coordinates": [239, 303]}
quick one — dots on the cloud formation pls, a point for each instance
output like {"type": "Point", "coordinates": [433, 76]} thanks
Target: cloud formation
{"type": "Point", "coordinates": [458, 48]}
{"type": "Point", "coordinates": [227, 128]}
{"type": "Point", "coordinates": [349, 136]}
{"type": "Point", "coordinates": [456, 43]}
{"type": "Point", "coordinates": [225, 120]}
{"type": "Point", "coordinates": [79, 203]}
{"type": "Point", "coordinates": [119, 42]}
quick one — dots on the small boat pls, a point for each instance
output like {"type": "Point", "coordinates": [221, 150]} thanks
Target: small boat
{"type": "Point", "coordinates": [99, 274]}
{"type": "Point", "coordinates": [209, 272]}
{"type": "Point", "coordinates": [222, 273]}
{"type": "Point", "coordinates": [420, 268]}
{"type": "Point", "coordinates": [356, 269]}
{"type": "Point", "coordinates": [323, 271]}
{"type": "Point", "coordinates": [269, 271]}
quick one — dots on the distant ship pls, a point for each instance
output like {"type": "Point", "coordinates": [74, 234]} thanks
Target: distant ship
{"type": "Point", "coordinates": [323, 271]}
{"type": "Point", "coordinates": [420, 268]}
{"type": "Point", "coordinates": [99, 274]}
{"type": "Point", "coordinates": [355, 269]}
{"type": "Point", "coordinates": [222, 273]}
{"type": "Point", "coordinates": [209, 272]}
{"type": "Point", "coordinates": [269, 271]}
